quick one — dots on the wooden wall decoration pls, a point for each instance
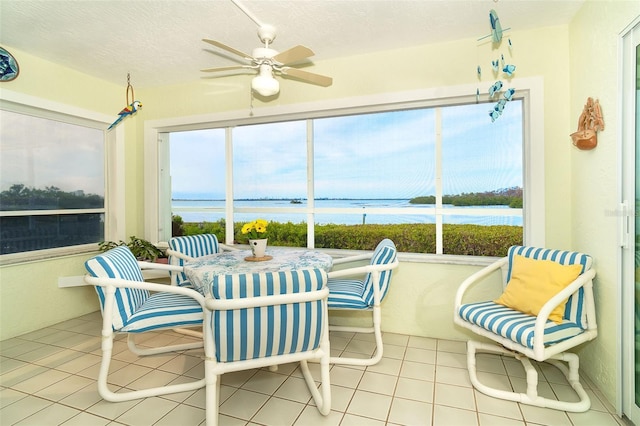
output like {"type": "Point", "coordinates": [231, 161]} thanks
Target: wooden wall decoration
{"type": "Point", "coordinates": [589, 123]}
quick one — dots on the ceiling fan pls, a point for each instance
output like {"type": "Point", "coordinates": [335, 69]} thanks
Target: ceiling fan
{"type": "Point", "coordinates": [269, 62]}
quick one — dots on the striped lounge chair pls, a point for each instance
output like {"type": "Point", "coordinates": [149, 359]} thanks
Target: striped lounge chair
{"type": "Point", "coordinates": [536, 337]}
{"type": "Point", "coordinates": [263, 320]}
{"type": "Point", "coordinates": [129, 306]}
{"type": "Point", "coordinates": [364, 293]}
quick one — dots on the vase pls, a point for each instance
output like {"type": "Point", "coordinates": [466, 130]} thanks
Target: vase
{"type": "Point", "coordinates": [258, 247]}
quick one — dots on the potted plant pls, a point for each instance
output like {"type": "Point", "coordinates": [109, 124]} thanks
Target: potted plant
{"type": "Point", "coordinates": [141, 249]}
{"type": "Point", "coordinates": [256, 233]}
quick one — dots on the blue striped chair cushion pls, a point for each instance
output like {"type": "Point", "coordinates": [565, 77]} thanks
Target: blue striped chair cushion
{"type": "Point", "coordinates": [346, 294]}
{"type": "Point", "coordinates": [384, 254]}
{"type": "Point", "coordinates": [271, 330]}
{"type": "Point", "coordinates": [356, 294]}
{"type": "Point", "coordinates": [574, 309]}
{"type": "Point", "coordinates": [165, 310]}
{"type": "Point", "coordinates": [515, 325]}
{"type": "Point", "coordinates": [119, 263]}
{"type": "Point", "coordinates": [192, 246]}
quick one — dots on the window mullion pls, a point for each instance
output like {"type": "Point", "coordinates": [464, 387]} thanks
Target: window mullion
{"type": "Point", "coordinates": [310, 189]}
{"type": "Point", "coordinates": [230, 234]}
{"type": "Point", "coordinates": [438, 179]}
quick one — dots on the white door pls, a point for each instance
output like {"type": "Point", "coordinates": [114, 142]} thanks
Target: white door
{"type": "Point", "coordinates": [630, 223]}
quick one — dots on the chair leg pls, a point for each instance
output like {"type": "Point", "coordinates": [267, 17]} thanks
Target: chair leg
{"type": "Point", "coordinates": [188, 332]}
{"type": "Point", "coordinates": [323, 401]}
{"type": "Point", "coordinates": [212, 392]}
{"type": "Point", "coordinates": [377, 332]}
{"type": "Point", "coordinates": [531, 397]}
{"type": "Point", "coordinates": [108, 395]}
{"type": "Point", "coordinates": [160, 350]}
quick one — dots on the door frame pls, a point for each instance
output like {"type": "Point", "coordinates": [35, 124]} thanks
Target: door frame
{"type": "Point", "coordinates": [625, 399]}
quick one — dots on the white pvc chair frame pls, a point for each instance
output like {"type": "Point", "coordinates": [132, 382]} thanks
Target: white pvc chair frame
{"type": "Point", "coordinates": [376, 322]}
{"type": "Point", "coordinates": [552, 354]}
{"type": "Point", "coordinates": [213, 369]}
{"type": "Point", "coordinates": [110, 285]}
{"type": "Point", "coordinates": [170, 253]}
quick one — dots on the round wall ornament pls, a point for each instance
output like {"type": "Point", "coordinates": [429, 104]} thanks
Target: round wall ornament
{"type": "Point", "coordinates": [9, 69]}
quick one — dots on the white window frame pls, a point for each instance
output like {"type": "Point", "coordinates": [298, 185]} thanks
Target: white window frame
{"type": "Point", "coordinates": [158, 226]}
{"type": "Point", "coordinates": [113, 157]}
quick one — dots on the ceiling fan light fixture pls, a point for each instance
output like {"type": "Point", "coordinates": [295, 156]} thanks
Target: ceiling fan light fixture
{"type": "Point", "coordinates": [264, 83]}
{"type": "Point", "coordinates": [268, 61]}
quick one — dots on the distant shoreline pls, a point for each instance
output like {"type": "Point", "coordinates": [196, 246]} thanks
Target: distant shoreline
{"type": "Point", "coordinates": [286, 199]}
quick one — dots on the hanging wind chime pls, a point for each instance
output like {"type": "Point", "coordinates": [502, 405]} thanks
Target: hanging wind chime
{"type": "Point", "coordinates": [132, 106]}
{"type": "Point", "coordinates": [499, 66]}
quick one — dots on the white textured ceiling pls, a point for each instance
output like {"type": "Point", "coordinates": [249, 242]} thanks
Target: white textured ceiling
{"type": "Point", "coordinates": [159, 42]}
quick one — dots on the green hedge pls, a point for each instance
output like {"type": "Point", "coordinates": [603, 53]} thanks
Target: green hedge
{"type": "Point", "coordinates": [476, 240]}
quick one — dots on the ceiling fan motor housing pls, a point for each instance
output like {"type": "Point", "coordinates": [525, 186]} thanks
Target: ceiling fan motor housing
{"type": "Point", "coordinates": [264, 52]}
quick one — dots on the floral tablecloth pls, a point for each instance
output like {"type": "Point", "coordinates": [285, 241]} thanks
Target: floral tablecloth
{"type": "Point", "coordinates": [202, 270]}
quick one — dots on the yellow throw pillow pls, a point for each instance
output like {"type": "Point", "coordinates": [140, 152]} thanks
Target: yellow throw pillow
{"type": "Point", "coordinates": [533, 282]}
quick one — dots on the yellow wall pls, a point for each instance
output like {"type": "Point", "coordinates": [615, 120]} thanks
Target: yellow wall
{"type": "Point", "coordinates": [29, 295]}
{"type": "Point", "coordinates": [578, 184]}
{"type": "Point", "coordinates": [594, 64]}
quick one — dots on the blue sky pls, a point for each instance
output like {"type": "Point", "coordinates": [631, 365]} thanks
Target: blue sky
{"type": "Point", "coordinates": [382, 155]}
{"type": "Point", "coordinates": [40, 153]}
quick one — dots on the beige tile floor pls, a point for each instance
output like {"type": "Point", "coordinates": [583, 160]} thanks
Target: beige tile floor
{"type": "Point", "coordinates": [48, 378]}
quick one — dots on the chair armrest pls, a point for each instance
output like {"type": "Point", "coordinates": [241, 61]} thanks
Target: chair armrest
{"type": "Point", "coordinates": [170, 252]}
{"type": "Point", "coordinates": [483, 273]}
{"type": "Point", "coordinates": [354, 258]}
{"type": "Point", "coordinates": [159, 266]}
{"type": "Point", "coordinates": [259, 301]}
{"type": "Point", "coordinates": [359, 270]}
{"type": "Point", "coordinates": [551, 304]}
{"type": "Point", "coordinates": [144, 285]}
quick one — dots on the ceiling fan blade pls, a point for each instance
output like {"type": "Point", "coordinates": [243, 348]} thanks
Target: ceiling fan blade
{"type": "Point", "coordinates": [234, 67]}
{"type": "Point", "coordinates": [294, 54]}
{"type": "Point", "coordinates": [318, 79]}
{"type": "Point", "coordinates": [228, 49]}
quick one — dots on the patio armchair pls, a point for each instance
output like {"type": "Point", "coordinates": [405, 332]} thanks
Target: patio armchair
{"type": "Point", "coordinates": [265, 319]}
{"type": "Point", "coordinates": [132, 306]}
{"type": "Point", "coordinates": [363, 288]}
{"type": "Point", "coordinates": [547, 308]}
{"type": "Point", "coordinates": [189, 247]}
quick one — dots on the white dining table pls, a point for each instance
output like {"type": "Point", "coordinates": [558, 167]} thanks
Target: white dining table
{"type": "Point", "coordinates": [202, 270]}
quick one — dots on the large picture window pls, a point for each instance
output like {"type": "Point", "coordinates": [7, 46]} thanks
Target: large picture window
{"type": "Point", "coordinates": [52, 182]}
{"type": "Point", "coordinates": [446, 173]}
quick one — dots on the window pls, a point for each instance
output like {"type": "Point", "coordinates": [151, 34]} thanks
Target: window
{"type": "Point", "coordinates": [439, 163]}
{"type": "Point", "coordinates": [52, 180]}
{"type": "Point", "coordinates": [375, 160]}
{"type": "Point", "coordinates": [208, 166]}
{"type": "Point", "coordinates": [269, 170]}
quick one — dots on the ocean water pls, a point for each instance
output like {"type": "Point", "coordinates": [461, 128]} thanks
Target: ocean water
{"type": "Point", "coordinates": [188, 210]}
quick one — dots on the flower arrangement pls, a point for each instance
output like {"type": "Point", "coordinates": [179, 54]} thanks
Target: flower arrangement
{"type": "Point", "coordinates": [256, 229]}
